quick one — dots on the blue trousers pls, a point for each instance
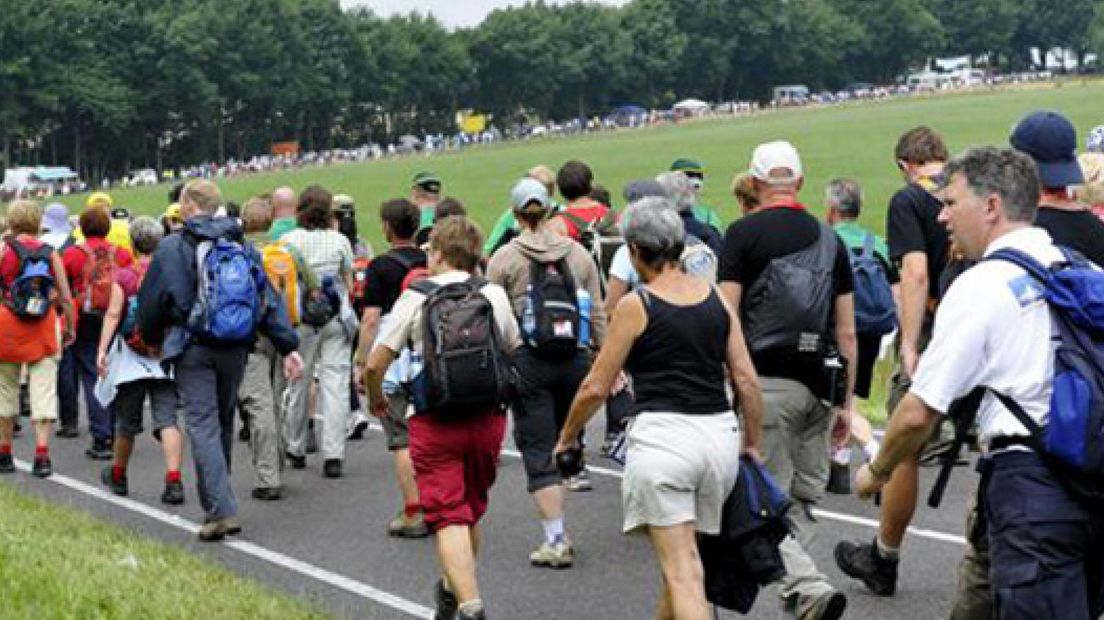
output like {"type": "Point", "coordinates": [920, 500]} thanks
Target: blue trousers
{"type": "Point", "coordinates": [77, 371]}
{"type": "Point", "coordinates": [1046, 549]}
{"type": "Point", "coordinates": [207, 380]}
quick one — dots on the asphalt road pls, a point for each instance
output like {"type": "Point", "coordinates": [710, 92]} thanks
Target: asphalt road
{"type": "Point", "coordinates": [326, 541]}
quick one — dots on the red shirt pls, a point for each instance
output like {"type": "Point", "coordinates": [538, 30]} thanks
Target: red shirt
{"type": "Point", "coordinates": [75, 257]}
{"type": "Point", "coordinates": [24, 342]}
{"type": "Point", "coordinates": [9, 262]}
{"type": "Point", "coordinates": [590, 212]}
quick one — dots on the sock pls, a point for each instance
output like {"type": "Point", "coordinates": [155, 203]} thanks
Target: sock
{"type": "Point", "coordinates": [446, 584]}
{"type": "Point", "coordinates": [118, 473]}
{"type": "Point", "coordinates": [871, 448]}
{"type": "Point", "coordinates": [42, 451]}
{"type": "Point", "coordinates": [842, 457]}
{"type": "Point", "coordinates": [5, 448]}
{"type": "Point", "coordinates": [885, 551]}
{"type": "Point", "coordinates": [173, 476]}
{"type": "Point", "coordinates": [411, 510]}
{"type": "Point", "coordinates": [553, 530]}
{"type": "Point", "coordinates": [471, 607]}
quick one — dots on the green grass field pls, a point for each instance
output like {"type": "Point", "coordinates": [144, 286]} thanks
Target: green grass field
{"type": "Point", "coordinates": [58, 563]}
{"type": "Point", "coordinates": [852, 140]}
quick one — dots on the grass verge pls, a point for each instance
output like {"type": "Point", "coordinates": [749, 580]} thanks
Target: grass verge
{"type": "Point", "coordinates": [60, 563]}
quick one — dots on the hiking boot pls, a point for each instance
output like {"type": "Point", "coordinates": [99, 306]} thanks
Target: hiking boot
{"type": "Point", "coordinates": [100, 450]}
{"type": "Point", "coordinates": [864, 562]}
{"type": "Point", "coordinates": [828, 606]}
{"type": "Point", "coordinates": [43, 467]}
{"type": "Point", "coordinates": [446, 602]}
{"type": "Point", "coordinates": [579, 483]}
{"type": "Point", "coordinates": [839, 479]}
{"type": "Point", "coordinates": [558, 555]}
{"type": "Point", "coordinates": [7, 464]}
{"type": "Point", "coordinates": [118, 486]}
{"type": "Point", "coordinates": [217, 529]}
{"type": "Point", "coordinates": [332, 468]}
{"type": "Point", "coordinates": [267, 494]}
{"type": "Point", "coordinates": [173, 493]}
{"type": "Point", "coordinates": [296, 462]}
{"type": "Point", "coordinates": [402, 527]}
{"type": "Point", "coordinates": [357, 425]}
{"type": "Point", "coordinates": [67, 432]}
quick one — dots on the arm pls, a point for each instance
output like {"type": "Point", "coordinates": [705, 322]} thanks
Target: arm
{"type": "Point", "coordinates": [914, 302]}
{"type": "Point", "coordinates": [629, 321]}
{"type": "Point", "coordinates": [846, 341]}
{"type": "Point", "coordinates": [909, 427]}
{"type": "Point", "coordinates": [598, 321]}
{"type": "Point", "coordinates": [616, 288]}
{"type": "Point", "coordinates": [111, 321]}
{"type": "Point", "coordinates": [369, 327]}
{"type": "Point", "coordinates": [65, 298]}
{"type": "Point", "coordinates": [379, 360]}
{"type": "Point", "coordinates": [746, 381]}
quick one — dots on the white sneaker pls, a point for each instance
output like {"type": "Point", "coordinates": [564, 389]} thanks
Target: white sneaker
{"type": "Point", "coordinates": [356, 426]}
{"type": "Point", "coordinates": [559, 555]}
{"type": "Point", "coordinates": [579, 483]}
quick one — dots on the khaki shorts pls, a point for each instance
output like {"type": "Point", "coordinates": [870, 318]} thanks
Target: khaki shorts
{"type": "Point", "coordinates": [679, 468]}
{"type": "Point", "coordinates": [394, 425]}
{"type": "Point", "coordinates": [42, 383]}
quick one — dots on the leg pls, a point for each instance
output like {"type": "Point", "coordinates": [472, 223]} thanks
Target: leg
{"type": "Point", "coordinates": [256, 401]}
{"type": "Point", "coordinates": [229, 368]}
{"type": "Point", "coordinates": [67, 390]}
{"type": "Point", "coordinates": [166, 428]}
{"type": "Point", "coordinates": [973, 595]}
{"type": "Point", "coordinates": [408, 523]}
{"type": "Point", "coordinates": [683, 595]}
{"type": "Point", "coordinates": [9, 404]}
{"type": "Point", "coordinates": [42, 383]}
{"type": "Point", "coordinates": [334, 369]}
{"type": "Point", "coordinates": [196, 382]}
{"type": "Point", "coordinates": [99, 418]}
{"type": "Point", "coordinates": [297, 414]}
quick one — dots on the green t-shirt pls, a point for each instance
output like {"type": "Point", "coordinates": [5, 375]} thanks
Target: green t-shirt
{"type": "Point", "coordinates": [854, 236]}
{"type": "Point", "coordinates": [427, 217]}
{"type": "Point", "coordinates": [282, 226]}
{"type": "Point", "coordinates": [706, 215]}
{"type": "Point", "coordinates": [505, 223]}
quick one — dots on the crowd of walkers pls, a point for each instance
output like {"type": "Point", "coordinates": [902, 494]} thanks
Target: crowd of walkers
{"type": "Point", "coordinates": [706, 348]}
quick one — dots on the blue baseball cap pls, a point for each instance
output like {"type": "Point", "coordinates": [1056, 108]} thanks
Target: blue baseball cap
{"type": "Point", "coordinates": [1050, 139]}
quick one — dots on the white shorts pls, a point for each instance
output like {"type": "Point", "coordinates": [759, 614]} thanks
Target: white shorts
{"type": "Point", "coordinates": [679, 468]}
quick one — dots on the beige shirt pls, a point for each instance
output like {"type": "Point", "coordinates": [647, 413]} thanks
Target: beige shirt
{"type": "Point", "coordinates": [405, 323]}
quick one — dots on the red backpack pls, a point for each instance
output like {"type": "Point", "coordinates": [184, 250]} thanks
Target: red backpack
{"type": "Point", "coordinates": [97, 277]}
{"type": "Point", "coordinates": [129, 329]}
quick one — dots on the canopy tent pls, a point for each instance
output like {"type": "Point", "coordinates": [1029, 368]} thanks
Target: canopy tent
{"type": "Point", "coordinates": [691, 105]}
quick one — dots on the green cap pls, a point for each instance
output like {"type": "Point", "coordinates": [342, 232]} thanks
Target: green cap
{"type": "Point", "coordinates": [427, 181]}
{"type": "Point", "coordinates": [688, 166]}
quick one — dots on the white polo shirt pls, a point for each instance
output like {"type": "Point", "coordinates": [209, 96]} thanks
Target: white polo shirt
{"type": "Point", "coordinates": [993, 328]}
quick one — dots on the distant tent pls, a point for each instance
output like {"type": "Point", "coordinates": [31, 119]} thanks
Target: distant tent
{"type": "Point", "coordinates": [691, 105]}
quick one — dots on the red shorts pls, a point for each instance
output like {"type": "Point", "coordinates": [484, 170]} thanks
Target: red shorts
{"type": "Point", "coordinates": [455, 464]}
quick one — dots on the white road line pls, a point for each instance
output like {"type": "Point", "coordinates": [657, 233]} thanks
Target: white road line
{"type": "Point", "coordinates": [336, 580]}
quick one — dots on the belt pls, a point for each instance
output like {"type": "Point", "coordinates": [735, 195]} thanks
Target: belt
{"type": "Point", "coordinates": [1002, 443]}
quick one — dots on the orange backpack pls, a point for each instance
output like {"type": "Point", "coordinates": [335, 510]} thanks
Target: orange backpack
{"type": "Point", "coordinates": [97, 277]}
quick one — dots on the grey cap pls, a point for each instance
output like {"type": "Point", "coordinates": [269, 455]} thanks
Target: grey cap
{"type": "Point", "coordinates": [643, 188]}
{"type": "Point", "coordinates": [527, 191]}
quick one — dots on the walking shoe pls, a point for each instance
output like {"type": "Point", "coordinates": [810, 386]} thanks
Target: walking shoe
{"type": "Point", "coordinates": [42, 467]}
{"type": "Point", "coordinates": [118, 486]}
{"type": "Point", "coordinates": [332, 468]}
{"type": "Point", "coordinates": [862, 561]}
{"type": "Point", "coordinates": [446, 602]}
{"type": "Point", "coordinates": [217, 529]}
{"type": "Point", "coordinates": [7, 465]}
{"type": "Point", "coordinates": [579, 483]}
{"type": "Point", "coordinates": [839, 479]}
{"type": "Point", "coordinates": [608, 443]}
{"type": "Point", "coordinates": [100, 450]}
{"type": "Point", "coordinates": [67, 432]}
{"type": "Point", "coordinates": [312, 438]}
{"type": "Point", "coordinates": [297, 462]}
{"type": "Point", "coordinates": [267, 494]}
{"type": "Point", "coordinates": [478, 615]}
{"type": "Point", "coordinates": [559, 555]}
{"type": "Point", "coordinates": [828, 606]}
{"type": "Point", "coordinates": [173, 493]}
{"type": "Point", "coordinates": [357, 425]}
{"type": "Point", "coordinates": [402, 527]}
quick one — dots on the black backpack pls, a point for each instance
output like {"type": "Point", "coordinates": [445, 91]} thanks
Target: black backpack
{"type": "Point", "coordinates": [31, 291]}
{"type": "Point", "coordinates": [550, 319]}
{"type": "Point", "coordinates": [465, 371]}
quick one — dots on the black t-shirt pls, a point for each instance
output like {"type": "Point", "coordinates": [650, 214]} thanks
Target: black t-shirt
{"type": "Point", "coordinates": [1078, 230]}
{"type": "Point", "coordinates": [706, 233]}
{"type": "Point", "coordinates": [749, 246]}
{"type": "Point", "coordinates": [912, 225]}
{"type": "Point", "coordinates": [383, 278]}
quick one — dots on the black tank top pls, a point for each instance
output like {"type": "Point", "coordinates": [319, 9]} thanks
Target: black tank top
{"type": "Point", "coordinates": [678, 363]}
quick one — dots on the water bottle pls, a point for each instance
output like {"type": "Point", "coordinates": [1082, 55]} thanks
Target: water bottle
{"type": "Point", "coordinates": [584, 316]}
{"type": "Point", "coordinates": [528, 317]}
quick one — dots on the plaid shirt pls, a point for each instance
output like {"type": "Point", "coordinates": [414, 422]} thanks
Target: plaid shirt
{"type": "Point", "coordinates": [327, 252]}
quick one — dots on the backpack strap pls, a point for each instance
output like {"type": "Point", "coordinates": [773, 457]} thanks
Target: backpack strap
{"type": "Point", "coordinates": [579, 222]}
{"type": "Point", "coordinates": [1023, 261]}
{"type": "Point", "coordinates": [1022, 417]}
{"type": "Point", "coordinates": [868, 246]}
{"type": "Point", "coordinates": [405, 262]}
{"type": "Point", "coordinates": [963, 413]}
{"type": "Point", "coordinates": [425, 287]}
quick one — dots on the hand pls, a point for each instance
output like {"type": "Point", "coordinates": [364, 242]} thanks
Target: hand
{"type": "Point", "coordinates": [753, 453]}
{"type": "Point", "coordinates": [620, 382]}
{"type": "Point", "coordinates": [101, 363]}
{"type": "Point", "coordinates": [866, 483]}
{"type": "Point", "coordinates": [841, 430]}
{"type": "Point", "coordinates": [381, 408]}
{"type": "Point", "coordinates": [358, 378]}
{"type": "Point", "coordinates": [293, 366]}
{"type": "Point", "coordinates": [68, 335]}
{"type": "Point", "coordinates": [909, 360]}
{"type": "Point", "coordinates": [563, 445]}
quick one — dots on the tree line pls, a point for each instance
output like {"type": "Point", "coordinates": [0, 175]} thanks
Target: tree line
{"type": "Point", "coordinates": [110, 85]}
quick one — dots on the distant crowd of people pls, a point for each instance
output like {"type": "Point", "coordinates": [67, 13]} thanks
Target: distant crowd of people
{"type": "Point", "coordinates": [709, 348]}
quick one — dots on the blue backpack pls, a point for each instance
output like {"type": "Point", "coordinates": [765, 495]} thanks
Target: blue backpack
{"type": "Point", "coordinates": [1072, 442]}
{"type": "Point", "coordinates": [230, 296]}
{"type": "Point", "coordinates": [875, 312]}
{"type": "Point", "coordinates": [30, 293]}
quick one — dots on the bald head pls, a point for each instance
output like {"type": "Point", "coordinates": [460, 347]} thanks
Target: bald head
{"type": "Point", "coordinates": [284, 202]}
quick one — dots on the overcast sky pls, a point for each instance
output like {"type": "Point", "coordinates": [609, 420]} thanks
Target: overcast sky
{"type": "Point", "coordinates": [453, 13]}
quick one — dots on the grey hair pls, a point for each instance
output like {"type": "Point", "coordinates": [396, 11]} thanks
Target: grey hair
{"type": "Point", "coordinates": [679, 188]}
{"type": "Point", "coordinates": [145, 234]}
{"type": "Point", "coordinates": [1008, 173]}
{"type": "Point", "coordinates": [654, 227]}
{"type": "Point", "coordinates": [845, 195]}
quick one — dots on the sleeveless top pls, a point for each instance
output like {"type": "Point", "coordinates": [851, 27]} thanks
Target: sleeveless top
{"type": "Point", "coordinates": [678, 363]}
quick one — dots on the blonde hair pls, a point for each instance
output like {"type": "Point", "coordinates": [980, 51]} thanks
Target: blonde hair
{"type": "Point", "coordinates": [459, 241]}
{"type": "Point", "coordinates": [257, 214]}
{"type": "Point", "coordinates": [743, 187]}
{"type": "Point", "coordinates": [545, 175]}
{"type": "Point", "coordinates": [1092, 167]}
{"type": "Point", "coordinates": [24, 217]}
{"type": "Point", "coordinates": [204, 194]}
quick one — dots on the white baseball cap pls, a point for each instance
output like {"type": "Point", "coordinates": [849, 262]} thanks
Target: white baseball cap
{"type": "Point", "coordinates": [527, 191]}
{"type": "Point", "coordinates": [780, 158]}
